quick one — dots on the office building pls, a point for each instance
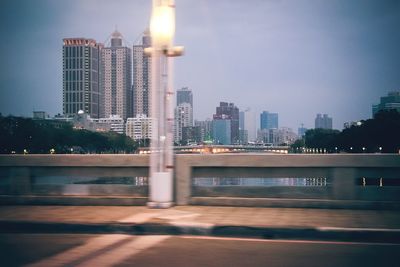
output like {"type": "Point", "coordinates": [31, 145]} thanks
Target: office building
{"type": "Point", "coordinates": [222, 131]}
{"type": "Point", "coordinates": [206, 129]}
{"type": "Point", "coordinates": [142, 77]}
{"type": "Point", "coordinates": [116, 79]}
{"type": "Point", "coordinates": [81, 76]}
{"type": "Point", "coordinates": [269, 120]}
{"type": "Point", "coordinates": [323, 122]}
{"type": "Point", "coordinates": [228, 111]}
{"type": "Point", "coordinates": [389, 102]}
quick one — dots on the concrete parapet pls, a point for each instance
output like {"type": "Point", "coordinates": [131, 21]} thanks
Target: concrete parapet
{"type": "Point", "coordinates": [343, 172]}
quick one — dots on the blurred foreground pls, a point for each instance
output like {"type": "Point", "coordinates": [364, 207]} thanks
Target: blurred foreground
{"type": "Point", "coordinates": [197, 236]}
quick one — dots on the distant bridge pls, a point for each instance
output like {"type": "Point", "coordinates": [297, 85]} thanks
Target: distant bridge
{"type": "Point", "coordinates": [217, 149]}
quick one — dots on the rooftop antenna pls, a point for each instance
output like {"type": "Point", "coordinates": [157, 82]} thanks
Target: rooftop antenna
{"type": "Point", "coordinates": [107, 41]}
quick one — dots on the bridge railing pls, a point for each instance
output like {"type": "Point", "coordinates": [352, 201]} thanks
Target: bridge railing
{"type": "Point", "coordinates": [74, 179]}
{"type": "Point", "coordinates": [329, 180]}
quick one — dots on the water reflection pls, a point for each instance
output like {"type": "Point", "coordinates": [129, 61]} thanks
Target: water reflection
{"type": "Point", "coordinates": [234, 181]}
{"type": "Point", "coordinates": [82, 180]}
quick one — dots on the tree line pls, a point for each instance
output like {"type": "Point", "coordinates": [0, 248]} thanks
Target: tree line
{"type": "Point", "coordinates": [380, 134]}
{"type": "Point", "coordinates": [25, 135]}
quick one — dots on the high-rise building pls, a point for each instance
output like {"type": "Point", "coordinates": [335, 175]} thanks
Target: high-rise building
{"type": "Point", "coordinates": [206, 129]}
{"type": "Point", "coordinates": [142, 77]}
{"type": "Point", "coordinates": [81, 76]}
{"type": "Point", "coordinates": [117, 78]}
{"type": "Point", "coordinates": [183, 118]}
{"type": "Point", "coordinates": [268, 120]}
{"type": "Point", "coordinates": [228, 111]}
{"type": "Point", "coordinates": [250, 125]}
{"type": "Point", "coordinates": [323, 122]}
{"type": "Point", "coordinates": [389, 102]}
{"type": "Point", "coordinates": [243, 138]}
{"type": "Point", "coordinates": [184, 95]}
{"type": "Point", "coordinates": [183, 113]}
{"type": "Point", "coordinates": [301, 131]}
{"type": "Point", "coordinates": [222, 131]}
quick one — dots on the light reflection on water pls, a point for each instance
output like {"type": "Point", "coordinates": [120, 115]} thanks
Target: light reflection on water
{"type": "Point", "coordinates": [203, 181]}
{"type": "Point", "coordinates": [133, 181]}
{"type": "Point", "coordinates": [198, 181]}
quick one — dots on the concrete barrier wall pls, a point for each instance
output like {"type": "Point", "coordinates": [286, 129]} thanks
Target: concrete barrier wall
{"type": "Point", "coordinates": [342, 170]}
{"type": "Point", "coordinates": [74, 179]}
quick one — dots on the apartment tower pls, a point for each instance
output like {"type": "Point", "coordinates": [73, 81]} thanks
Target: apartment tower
{"type": "Point", "coordinates": [117, 79]}
{"type": "Point", "coordinates": [81, 76]}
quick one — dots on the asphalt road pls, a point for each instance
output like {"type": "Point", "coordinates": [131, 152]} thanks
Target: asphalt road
{"type": "Point", "coordinates": [127, 250]}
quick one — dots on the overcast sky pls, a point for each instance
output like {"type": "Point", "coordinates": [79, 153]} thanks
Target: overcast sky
{"type": "Point", "coordinates": [294, 57]}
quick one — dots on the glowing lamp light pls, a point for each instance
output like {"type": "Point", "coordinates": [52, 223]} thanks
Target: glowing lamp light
{"type": "Point", "coordinates": [162, 25]}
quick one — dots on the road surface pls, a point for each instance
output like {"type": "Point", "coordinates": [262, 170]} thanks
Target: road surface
{"type": "Point", "coordinates": [129, 250]}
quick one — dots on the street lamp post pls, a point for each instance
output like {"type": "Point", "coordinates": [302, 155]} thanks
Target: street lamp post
{"type": "Point", "coordinates": [162, 30]}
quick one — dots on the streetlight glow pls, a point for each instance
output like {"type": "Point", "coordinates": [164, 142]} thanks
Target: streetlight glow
{"type": "Point", "coordinates": [162, 24]}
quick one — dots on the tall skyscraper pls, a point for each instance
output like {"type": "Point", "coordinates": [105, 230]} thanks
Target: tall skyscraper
{"type": "Point", "coordinates": [250, 125]}
{"type": "Point", "coordinates": [243, 138]}
{"type": "Point", "coordinates": [183, 118]}
{"type": "Point", "coordinates": [117, 78]}
{"type": "Point", "coordinates": [81, 76]}
{"type": "Point", "coordinates": [183, 112]}
{"type": "Point", "coordinates": [142, 77]}
{"type": "Point", "coordinates": [184, 95]}
{"type": "Point", "coordinates": [228, 111]}
{"type": "Point", "coordinates": [268, 120]}
{"type": "Point", "coordinates": [389, 102]}
{"type": "Point", "coordinates": [323, 122]}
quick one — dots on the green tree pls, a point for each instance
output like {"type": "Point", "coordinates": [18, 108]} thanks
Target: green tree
{"type": "Point", "coordinates": [39, 136]}
{"type": "Point", "coordinates": [321, 138]}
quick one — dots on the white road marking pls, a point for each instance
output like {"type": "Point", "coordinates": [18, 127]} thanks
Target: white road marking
{"type": "Point", "coordinates": [105, 250]}
{"type": "Point", "coordinates": [192, 224]}
{"type": "Point", "coordinates": [75, 253]}
{"type": "Point", "coordinates": [119, 254]}
{"type": "Point", "coordinates": [176, 215]}
{"type": "Point", "coordinates": [140, 217]}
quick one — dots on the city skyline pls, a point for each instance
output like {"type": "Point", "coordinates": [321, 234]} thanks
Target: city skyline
{"type": "Point", "coordinates": [297, 58]}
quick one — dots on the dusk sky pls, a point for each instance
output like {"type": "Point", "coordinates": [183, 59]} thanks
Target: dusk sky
{"type": "Point", "coordinates": [294, 57]}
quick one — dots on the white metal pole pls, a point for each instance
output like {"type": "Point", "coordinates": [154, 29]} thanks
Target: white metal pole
{"type": "Point", "coordinates": [162, 29]}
